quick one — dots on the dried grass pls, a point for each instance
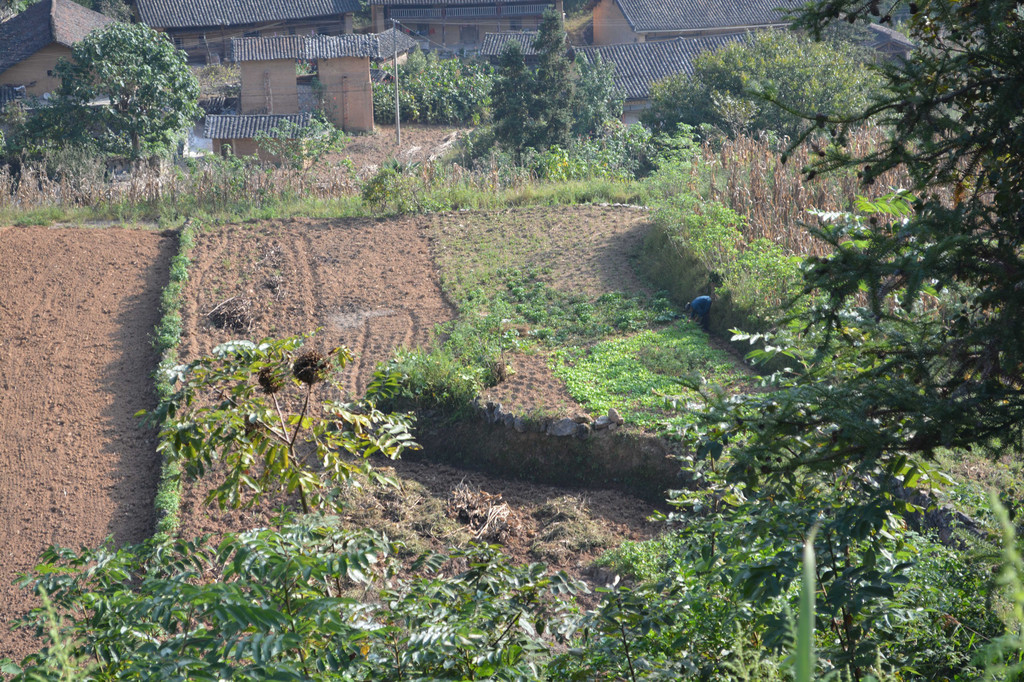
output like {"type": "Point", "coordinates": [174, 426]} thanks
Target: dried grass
{"type": "Point", "coordinates": [747, 175]}
{"type": "Point", "coordinates": [489, 518]}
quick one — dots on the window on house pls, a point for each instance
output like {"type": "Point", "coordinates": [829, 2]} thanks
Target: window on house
{"type": "Point", "coordinates": [423, 29]}
{"type": "Point", "coordinates": [515, 25]}
{"type": "Point", "coordinates": [323, 30]}
{"type": "Point", "coordinates": [179, 43]}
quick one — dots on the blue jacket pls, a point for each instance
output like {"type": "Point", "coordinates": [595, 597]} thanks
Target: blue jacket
{"type": "Point", "coordinates": [700, 306]}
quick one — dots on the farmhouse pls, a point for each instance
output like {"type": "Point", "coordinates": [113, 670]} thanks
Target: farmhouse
{"type": "Point", "coordinates": [460, 24]}
{"type": "Point", "coordinates": [204, 28]}
{"type": "Point", "coordinates": [638, 65]}
{"type": "Point", "coordinates": [238, 134]}
{"type": "Point", "coordinates": [270, 84]}
{"type": "Point", "coordinates": [638, 21]}
{"type": "Point", "coordinates": [494, 44]}
{"type": "Point", "coordinates": [33, 41]}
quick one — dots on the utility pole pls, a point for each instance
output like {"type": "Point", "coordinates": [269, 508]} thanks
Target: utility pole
{"type": "Point", "coordinates": [398, 118]}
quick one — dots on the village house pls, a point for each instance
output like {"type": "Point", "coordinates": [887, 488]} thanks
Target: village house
{"type": "Point", "coordinates": [494, 44]}
{"type": "Point", "coordinates": [460, 24]}
{"type": "Point", "coordinates": [204, 28]}
{"type": "Point", "coordinates": [33, 41]}
{"type": "Point", "coordinates": [638, 21]}
{"type": "Point", "coordinates": [270, 84]}
{"type": "Point", "coordinates": [639, 65]}
{"type": "Point", "coordinates": [239, 135]}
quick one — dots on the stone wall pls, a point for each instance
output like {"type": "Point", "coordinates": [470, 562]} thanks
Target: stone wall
{"type": "Point", "coordinates": [565, 452]}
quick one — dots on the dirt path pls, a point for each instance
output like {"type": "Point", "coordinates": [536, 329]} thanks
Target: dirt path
{"type": "Point", "coordinates": [77, 308]}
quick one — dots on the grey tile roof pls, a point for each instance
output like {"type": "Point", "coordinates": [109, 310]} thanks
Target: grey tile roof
{"type": "Point", "coordinates": [433, 3]}
{"type": "Point", "coordinates": [388, 38]}
{"type": "Point", "coordinates": [170, 14]}
{"type": "Point", "coordinates": [263, 49]}
{"type": "Point", "coordinates": [685, 15]}
{"type": "Point", "coordinates": [637, 65]}
{"type": "Point", "coordinates": [334, 47]}
{"type": "Point", "coordinates": [495, 43]}
{"type": "Point", "coordinates": [49, 21]}
{"type": "Point", "coordinates": [883, 35]}
{"type": "Point", "coordinates": [376, 46]}
{"type": "Point", "coordinates": [248, 126]}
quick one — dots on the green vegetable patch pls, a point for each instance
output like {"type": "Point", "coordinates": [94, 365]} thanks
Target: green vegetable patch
{"type": "Point", "coordinates": [634, 374]}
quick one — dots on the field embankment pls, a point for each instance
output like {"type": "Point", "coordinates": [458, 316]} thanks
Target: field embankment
{"type": "Point", "coordinates": [77, 309]}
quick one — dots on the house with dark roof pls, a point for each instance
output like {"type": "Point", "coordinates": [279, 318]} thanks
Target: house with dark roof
{"type": "Point", "coordinates": [204, 28]}
{"type": "Point", "coordinates": [239, 135]}
{"type": "Point", "coordinates": [270, 84]}
{"type": "Point", "coordinates": [494, 44]}
{"type": "Point", "coordinates": [33, 41]}
{"type": "Point", "coordinates": [638, 21]}
{"type": "Point", "coordinates": [888, 42]}
{"type": "Point", "coordinates": [460, 24]}
{"type": "Point", "coordinates": [638, 65]}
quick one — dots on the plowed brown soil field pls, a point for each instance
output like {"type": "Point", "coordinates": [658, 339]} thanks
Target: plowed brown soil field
{"type": "Point", "coordinates": [77, 308]}
{"type": "Point", "coordinates": [367, 284]}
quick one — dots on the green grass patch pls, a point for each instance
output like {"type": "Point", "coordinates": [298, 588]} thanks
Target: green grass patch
{"type": "Point", "coordinates": [634, 373]}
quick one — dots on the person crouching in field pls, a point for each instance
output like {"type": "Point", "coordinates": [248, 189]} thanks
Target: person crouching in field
{"type": "Point", "coordinates": [699, 308]}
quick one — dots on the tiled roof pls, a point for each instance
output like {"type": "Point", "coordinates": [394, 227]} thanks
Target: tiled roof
{"type": "Point", "coordinates": [263, 49]}
{"type": "Point", "coordinates": [49, 21]}
{"type": "Point", "coordinates": [387, 42]}
{"type": "Point", "coordinates": [248, 126]}
{"type": "Point", "coordinates": [495, 43]}
{"type": "Point", "coordinates": [685, 15]}
{"type": "Point", "coordinates": [637, 65]}
{"type": "Point", "coordinates": [352, 45]}
{"type": "Point", "coordinates": [210, 13]}
{"type": "Point", "coordinates": [375, 46]}
{"type": "Point", "coordinates": [882, 35]}
{"type": "Point", "coordinates": [10, 93]}
{"type": "Point", "coordinates": [433, 3]}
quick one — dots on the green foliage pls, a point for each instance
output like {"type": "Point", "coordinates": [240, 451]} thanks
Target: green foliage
{"type": "Point", "coordinates": [550, 106]}
{"type": "Point", "coordinates": [596, 101]}
{"type": "Point", "coordinates": [152, 94]}
{"type": "Point", "coordinates": [262, 428]}
{"type": "Point", "coordinates": [281, 605]}
{"type": "Point", "coordinates": [436, 379]}
{"type": "Point", "coordinates": [560, 101]}
{"type": "Point", "coordinates": [302, 146]}
{"type": "Point", "coordinates": [512, 94]}
{"type": "Point", "coordinates": [621, 153]}
{"type": "Point", "coordinates": [165, 341]}
{"type": "Point", "coordinates": [769, 81]}
{"type": "Point", "coordinates": [634, 373]}
{"type": "Point", "coordinates": [698, 247]}
{"type": "Point", "coordinates": [452, 375]}
{"type": "Point", "coordinates": [434, 90]}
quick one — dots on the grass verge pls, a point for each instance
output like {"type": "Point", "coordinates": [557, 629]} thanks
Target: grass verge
{"type": "Point", "coordinates": [166, 339]}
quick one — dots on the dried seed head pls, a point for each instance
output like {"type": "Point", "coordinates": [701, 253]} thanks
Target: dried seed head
{"type": "Point", "coordinates": [270, 383]}
{"type": "Point", "coordinates": [311, 367]}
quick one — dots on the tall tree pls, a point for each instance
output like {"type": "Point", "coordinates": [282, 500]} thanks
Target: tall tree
{"type": "Point", "coordinates": [596, 101]}
{"type": "Point", "coordinates": [128, 85]}
{"type": "Point", "coordinates": [551, 105]}
{"type": "Point", "coordinates": [511, 99]}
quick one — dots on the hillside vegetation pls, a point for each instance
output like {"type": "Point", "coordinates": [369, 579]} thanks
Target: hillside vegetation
{"type": "Point", "coordinates": [847, 492]}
